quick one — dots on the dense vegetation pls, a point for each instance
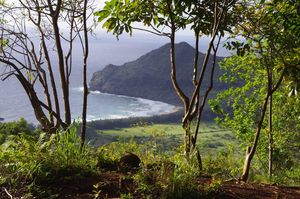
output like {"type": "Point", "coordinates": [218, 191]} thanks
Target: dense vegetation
{"type": "Point", "coordinates": [35, 165]}
{"type": "Point", "coordinates": [258, 114]}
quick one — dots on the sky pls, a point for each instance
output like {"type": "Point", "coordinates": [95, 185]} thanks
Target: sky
{"type": "Point", "coordinates": [183, 35]}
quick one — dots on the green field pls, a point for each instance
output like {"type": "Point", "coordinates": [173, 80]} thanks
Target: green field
{"type": "Point", "coordinates": [169, 136]}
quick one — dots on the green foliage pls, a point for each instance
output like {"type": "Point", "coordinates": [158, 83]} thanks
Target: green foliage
{"type": "Point", "coordinates": [127, 196]}
{"type": "Point", "coordinates": [292, 176]}
{"type": "Point", "coordinates": [9, 129]}
{"type": "Point", "coordinates": [97, 191]}
{"type": "Point", "coordinates": [239, 109]}
{"type": "Point", "coordinates": [168, 137]}
{"type": "Point", "coordinates": [240, 106]}
{"type": "Point", "coordinates": [271, 30]}
{"type": "Point", "coordinates": [27, 160]}
{"type": "Point", "coordinates": [267, 60]}
{"type": "Point", "coordinates": [165, 175]}
{"type": "Point", "coordinates": [120, 15]}
{"type": "Point", "coordinates": [67, 159]}
{"type": "Point", "coordinates": [39, 162]}
{"type": "Point", "coordinates": [226, 164]}
{"type": "Point", "coordinates": [168, 177]}
{"type": "Point", "coordinates": [108, 155]}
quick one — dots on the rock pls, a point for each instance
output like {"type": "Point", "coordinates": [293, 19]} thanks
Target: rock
{"type": "Point", "coordinates": [129, 162]}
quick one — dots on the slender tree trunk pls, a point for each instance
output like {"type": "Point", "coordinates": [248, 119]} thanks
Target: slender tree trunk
{"type": "Point", "coordinates": [38, 111]}
{"type": "Point", "coordinates": [187, 139]}
{"type": "Point", "coordinates": [251, 150]}
{"type": "Point", "coordinates": [179, 92]}
{"type": "Point", "coordinates": [270, 130]}
{"type": "Point", "coordinates": [64, 84]}
{"type": "Point", "coordinates": [199, 159]}
{"type": "Point", "coordinates": [52, 80]}
{"type": "Point", "coordinates": [43, 80]}
{"type": "Point", "coordinates": [85, 86]}
{"type": "Point", "coordinates": [33, 98]}
{"type": "Point", "coordinates": [191, 104]}
{"type": "Point", "coordinates": [196, 58]}
{"type": "Point", "coordinates": [48, 97]}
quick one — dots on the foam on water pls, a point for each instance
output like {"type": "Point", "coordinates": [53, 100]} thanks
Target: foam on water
{"type": "Point", "coordinates": [126, 106]}
{"type": "Point", "coordinates": [100, 106]}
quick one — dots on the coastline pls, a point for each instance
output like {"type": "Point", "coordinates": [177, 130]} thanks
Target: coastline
{"type": "Point", "coordinates": [173, 116]}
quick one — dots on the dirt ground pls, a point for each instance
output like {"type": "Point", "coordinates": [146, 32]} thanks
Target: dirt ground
{"type": "Point", "coordinates": [114, 183]}
{"type": "Point", "coordinates": [258, 191]}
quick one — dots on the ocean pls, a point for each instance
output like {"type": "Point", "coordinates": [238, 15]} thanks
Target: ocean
{"type": "Point", "coordinates": [104, 49]}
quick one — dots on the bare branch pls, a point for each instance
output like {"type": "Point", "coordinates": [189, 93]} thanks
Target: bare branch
{"type": "Point", "coordinates": [7, 193]}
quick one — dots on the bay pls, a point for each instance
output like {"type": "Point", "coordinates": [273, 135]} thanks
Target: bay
{"type": "Point", "coordinates": [104, 49]}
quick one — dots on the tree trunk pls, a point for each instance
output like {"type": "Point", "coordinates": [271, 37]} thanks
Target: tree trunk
{"type": "Point", "coordinates": [38, 111]}
{"type": "Point", "coordinates": [64, 84]}
{"type": "Point", "coordinates": [199, 159]}
{"type": "Point", "coordinates": [85, 86]}
{"type": "Point", "coordinates": [52, 80]}
{"type": "Point", "coordinates": [270, 138]}
{"type": "Point", "coordinates": [251, 150]}
{"type": "Point", "coordinates": [179, 92]}
{"type": "Point", "coordinates": [187, 140]}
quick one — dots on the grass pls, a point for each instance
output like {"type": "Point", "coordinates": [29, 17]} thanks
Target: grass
{"type": "Point", "coordinates": [211, 137]}
{"type": "Point", "coordinates": [34, 163]}
{"type": "Point", "coordinates": [44, 167]}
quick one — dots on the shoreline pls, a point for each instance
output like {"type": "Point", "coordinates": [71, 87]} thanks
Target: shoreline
{"type": "Point", "coordinates": [173, 116]}
{"type": "Point", "coordinates": [160, 111]}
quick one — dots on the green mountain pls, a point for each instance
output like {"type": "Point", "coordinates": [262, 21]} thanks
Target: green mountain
{"type": "Point", "coordinates": [149, 76]}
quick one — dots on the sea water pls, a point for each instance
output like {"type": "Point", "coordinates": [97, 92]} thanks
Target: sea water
{"type": "Point", "coordinates": [104, 49]}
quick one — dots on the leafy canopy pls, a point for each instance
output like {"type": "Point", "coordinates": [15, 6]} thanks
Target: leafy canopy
{"type": "Point", "coordinates": [121, 15]}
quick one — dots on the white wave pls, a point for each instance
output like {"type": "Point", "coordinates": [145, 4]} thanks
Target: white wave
{"type": "Point", "coordinates": [95, 92]}
{"type": "Point", "coordinates": [91, 118]}
{"type": "Point", "coordinates": [157, 107]}
{"type": "Point", "coordinates": [78, 89]}
{"type": "Point", "coordinates": [115, 95]}
{"type": "Point", "coordinates": [81, 89]}
{"type": "Point", "coordinates": [139, 108]}
{"type": "Point", "coordinates": [142, 100]}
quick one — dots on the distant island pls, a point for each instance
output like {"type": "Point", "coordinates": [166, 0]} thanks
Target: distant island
{"type": "Point", "coordinates": [149, 76]}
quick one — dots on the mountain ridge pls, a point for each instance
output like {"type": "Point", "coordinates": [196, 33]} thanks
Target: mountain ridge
{"type": "Point", "coordinates": [149, 75]}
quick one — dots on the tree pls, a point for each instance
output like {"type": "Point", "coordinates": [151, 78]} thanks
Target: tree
{"type": "Point", "coordinates": [165, 18]}
{"type": "Point", "coordinates": [269, 56]}
{"type": "Point", "coordinates": [19, 127]}
{"type": "Point", "coordinates": [85, 85]}
{"type": "Point", "coordinates": [33, 62]}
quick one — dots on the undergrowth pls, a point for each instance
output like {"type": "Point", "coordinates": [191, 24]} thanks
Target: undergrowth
{"type": "Point", "coordinates": [36, 162]}
{"type": "Point", "coordinates": [39, 162]}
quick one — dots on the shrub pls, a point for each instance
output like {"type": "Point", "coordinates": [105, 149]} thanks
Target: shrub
{"type": "Point", "coordinates": [19, 127]}
{"type": "Point", "coordinates": [29, 160]}
{"type": "Point", "coordinates": [225, 165]}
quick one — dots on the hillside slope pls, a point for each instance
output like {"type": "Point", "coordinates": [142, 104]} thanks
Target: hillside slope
{"type": "Point", "coordinates": [149, 76]}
